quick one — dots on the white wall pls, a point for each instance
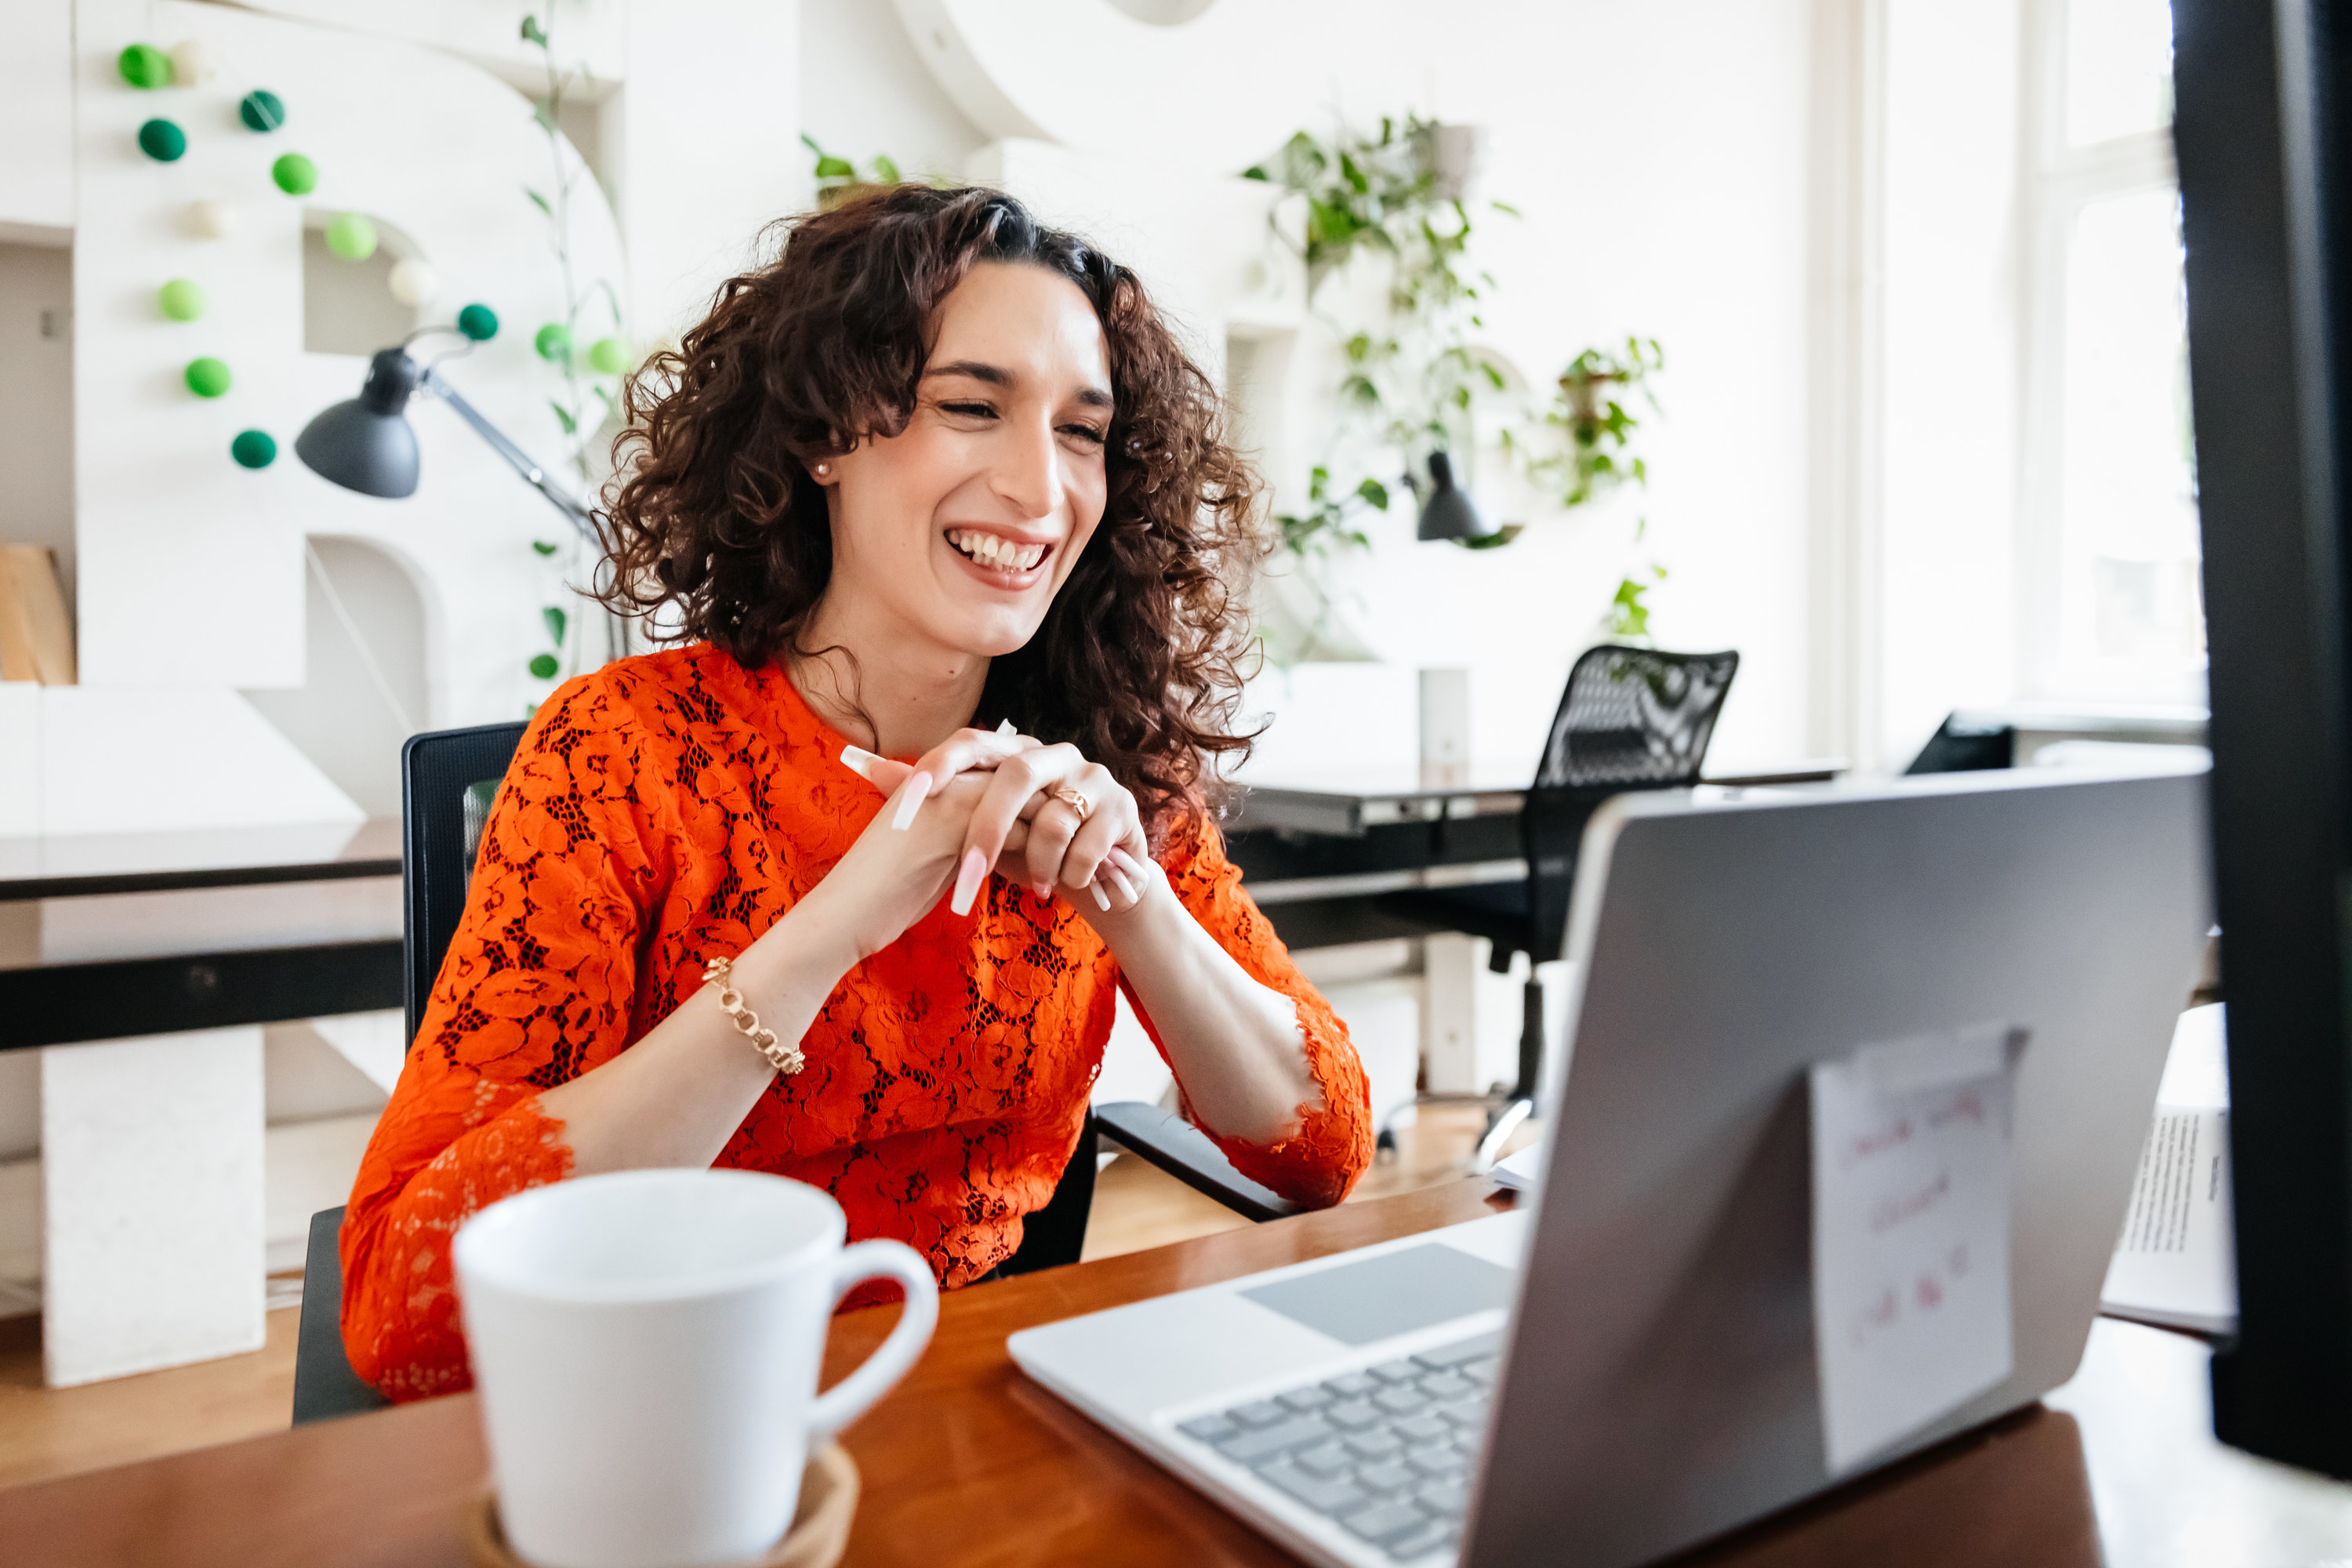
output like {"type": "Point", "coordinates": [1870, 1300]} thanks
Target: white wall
{"type": "Point", "coordinates": [707, 149]}
{"type": "Point", "coordinates": [1667, 200]}
{"type": "Point", "coordinates": [864, 89]}
{"type": "Point", "coordinates": [1953, 269]}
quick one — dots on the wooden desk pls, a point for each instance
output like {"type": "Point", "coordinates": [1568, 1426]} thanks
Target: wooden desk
{"type": "Point", "coordinates": [969, 1463]}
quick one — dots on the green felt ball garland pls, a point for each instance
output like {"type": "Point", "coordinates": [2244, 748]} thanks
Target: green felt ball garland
{"type": "Point", "coordinates": [348, 235]}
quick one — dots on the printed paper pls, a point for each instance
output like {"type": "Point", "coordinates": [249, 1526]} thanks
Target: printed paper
{"type": "Point", "coordinates": [2176, 1261]}
{"type": "Point", "coordinates": [1911, 1307]}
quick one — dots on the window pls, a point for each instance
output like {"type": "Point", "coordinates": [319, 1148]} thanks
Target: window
{"type": "Point", "coordinates": [2110, 558]}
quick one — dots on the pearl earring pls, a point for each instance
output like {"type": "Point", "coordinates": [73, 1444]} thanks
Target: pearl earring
{"type": "Point", "coordinates": [822, 469]}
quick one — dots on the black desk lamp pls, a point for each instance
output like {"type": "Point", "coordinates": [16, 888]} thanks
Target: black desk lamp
{"type": "Point", "coordinates": [367, 444]}
{"type": "Point", "coordinates": [1448, 513]}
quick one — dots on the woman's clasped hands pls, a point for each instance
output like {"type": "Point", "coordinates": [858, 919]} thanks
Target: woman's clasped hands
{"type": "Point", "coordinates": [1043, 817]}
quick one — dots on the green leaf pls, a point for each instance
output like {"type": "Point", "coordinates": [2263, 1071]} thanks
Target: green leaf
{"type": "Point", "coordinates": [885, 170]}
{"type": "Point", "coordinates": [556, 621]}
{"type": "Point", "coordinates": [538, 201]}
{"type": "Point", "coordinates": [543, 667]}
{"type": "Point", "coordinates": [544, 112]}
{"type": "Point", "coordinates": [1506, 207]}
{"type": "Point", "coordinates": [809, 141]}
{"type": "Point", "coordinates": [531, 31]}
{"type": "Point", "coordinates": [563, 418]}
{"type": "Point", "coordinates": [1494, 377]}
{"type": "Point", "coordinates": [1372, 490]}
{"type": "Point", "coordinates": [1255, 172]}
{"type": "Point", "coordinates": [829, 167]}
{"type": "Point", "coordinates": [543, 546]}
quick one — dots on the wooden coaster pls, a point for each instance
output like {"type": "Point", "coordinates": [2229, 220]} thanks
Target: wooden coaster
{"type": "Point", "coordinates": [819, 1535]}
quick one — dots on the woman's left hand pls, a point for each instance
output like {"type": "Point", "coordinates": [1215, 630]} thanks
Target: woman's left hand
{"type": "Point", "coordinates": [1084, 830]}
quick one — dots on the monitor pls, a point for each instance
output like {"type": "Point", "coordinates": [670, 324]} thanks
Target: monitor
{"type": "Point", "coordinates": [2264, 157]}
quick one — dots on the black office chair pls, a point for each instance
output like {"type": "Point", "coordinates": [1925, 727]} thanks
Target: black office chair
{"type": "Point", "coordinates": [1631, 718]}
{"type": "Point", "coordinates": [448, 779]}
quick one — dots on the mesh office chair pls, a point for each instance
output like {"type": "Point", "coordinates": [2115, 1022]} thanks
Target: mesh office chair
{"type": "Point", "coordinates": [1630, 719]}
{"type": "Point", "coordinates": [448, 779]}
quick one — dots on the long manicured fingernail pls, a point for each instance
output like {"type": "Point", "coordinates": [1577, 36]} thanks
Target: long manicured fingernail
{"type": "Point", "coordinates": [910, 800]}
{"type": "Point", "coordinates": [860, 761]}
{"type": "Point", "coordinates": [1004, 727]}
{"type": "Point", "coordinates": [1100, 896]}
{"type": "Point", "coordinates": [968, 876]}
{"type": "Point", "coordinates": [1126, 886]}
{"type": "Point", "coordinates": [1125, 862]}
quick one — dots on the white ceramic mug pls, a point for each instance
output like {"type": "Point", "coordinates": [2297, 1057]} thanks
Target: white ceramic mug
{"type": "Point", "coordinates": [646, 1344]}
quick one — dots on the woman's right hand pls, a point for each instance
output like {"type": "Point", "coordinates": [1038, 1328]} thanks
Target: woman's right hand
{"type": "Point", "coordinates": [894, 876]}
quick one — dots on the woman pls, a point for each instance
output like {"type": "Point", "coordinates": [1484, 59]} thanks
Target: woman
{"type": "Point", "coordinates": [937, 484]}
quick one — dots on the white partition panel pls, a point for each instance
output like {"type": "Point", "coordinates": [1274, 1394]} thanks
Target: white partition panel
{"type": "Point", "coordinates": [151, 1173]}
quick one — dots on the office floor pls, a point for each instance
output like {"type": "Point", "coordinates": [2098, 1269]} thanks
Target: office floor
{"type": "Point", "coordinates": [50, 1432]}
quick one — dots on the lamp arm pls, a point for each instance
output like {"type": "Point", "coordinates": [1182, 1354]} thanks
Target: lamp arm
{"type": "Point", "coordinates": [564, 500]}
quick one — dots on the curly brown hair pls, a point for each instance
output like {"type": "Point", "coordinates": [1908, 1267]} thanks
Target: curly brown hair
{"type": "Point", "coordinates": [716, 524]}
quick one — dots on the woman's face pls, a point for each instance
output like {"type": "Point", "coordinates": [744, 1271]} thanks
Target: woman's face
{"type": "Point", "coordinates": [962, 528]}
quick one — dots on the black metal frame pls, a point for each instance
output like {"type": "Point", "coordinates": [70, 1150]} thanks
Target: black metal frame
{"type": "Point", "coordinates": [2263, 163]}
{"type": "Point", "coordinates": [121, 998]}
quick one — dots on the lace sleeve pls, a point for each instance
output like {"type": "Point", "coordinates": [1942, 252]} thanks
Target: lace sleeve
{"type": "Point", "coordinates": [539, 985]}
{"type": "Point", "coordinates": [1320, 1162]}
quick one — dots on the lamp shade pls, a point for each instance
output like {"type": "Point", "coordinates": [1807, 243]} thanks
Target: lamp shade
{"type": "Point", "coordinates": [1448, 513]}
{"type": "Point", "coordinates": [367, 444]}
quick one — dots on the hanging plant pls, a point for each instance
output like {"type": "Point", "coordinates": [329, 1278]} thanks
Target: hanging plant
{"type": "Point", "coordinates": [1579, 448]}
{"type": "Point", "coordinates": [587, 363]}
{"type": "Point", "coordinates": [1413, 374]}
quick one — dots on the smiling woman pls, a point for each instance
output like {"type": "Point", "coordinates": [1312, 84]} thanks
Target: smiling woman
{"type": "Point", "coordinates": [938, 504]}
{"type": "Point", "coordinates": [918, 317]}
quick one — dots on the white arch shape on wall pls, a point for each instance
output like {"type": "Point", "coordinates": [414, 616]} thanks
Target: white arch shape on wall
{"type": "Point", "coordinates": [1210, 95]}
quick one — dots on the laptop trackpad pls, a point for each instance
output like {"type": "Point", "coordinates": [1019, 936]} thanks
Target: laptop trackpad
{"type": "Point", "coordinates": [1394, 1293]}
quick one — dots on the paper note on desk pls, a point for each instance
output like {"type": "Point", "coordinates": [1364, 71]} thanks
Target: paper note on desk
{"type": "Point", "coordinates": [2176, 1263]}
{"type": "Point", "coordinates": [1911, 1311]}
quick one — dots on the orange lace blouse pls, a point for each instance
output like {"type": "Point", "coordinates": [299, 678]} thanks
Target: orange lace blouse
{"type": "Point", "coordinates": [672, 807]}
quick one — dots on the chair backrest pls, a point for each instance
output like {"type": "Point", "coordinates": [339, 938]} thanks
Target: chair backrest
{"type": "Point", "coordinates": [448, 780]}
{"type": "Point", "coordinates": [1631, 718]}
{"type": "Point", "coordinates": [1635, 718]}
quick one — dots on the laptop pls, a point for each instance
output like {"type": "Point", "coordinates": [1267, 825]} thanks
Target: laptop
{"type": "Point", "coordinates": [1625, 1364]}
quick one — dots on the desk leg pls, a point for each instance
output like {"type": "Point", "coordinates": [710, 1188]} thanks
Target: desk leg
{"type": "Point", "coordinates": [151, 1174]}
{"type": "Point", "coordinates": [1450, 963]}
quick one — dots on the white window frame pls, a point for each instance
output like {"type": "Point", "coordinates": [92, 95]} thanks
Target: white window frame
{"type": "Point", "coordinates": [2059, 182]}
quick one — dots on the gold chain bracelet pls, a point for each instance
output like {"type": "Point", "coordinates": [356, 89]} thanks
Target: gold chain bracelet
{"type": "Point", "coordinates": [786, 1059]}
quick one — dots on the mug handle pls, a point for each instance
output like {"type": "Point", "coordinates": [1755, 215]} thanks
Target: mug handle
{"type": "Point", "coordinates": [845, 1401]}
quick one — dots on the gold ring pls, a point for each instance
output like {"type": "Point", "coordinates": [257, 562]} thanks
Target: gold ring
{"type": "Point", "coordinates": [1073, 799]}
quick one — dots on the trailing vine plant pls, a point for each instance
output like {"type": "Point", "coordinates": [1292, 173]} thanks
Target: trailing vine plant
{"type": "Point", "coordinates": [1412, 373]}
{"type": "Point", "coordinates": [1579, 449]}
{"type": "Point", "coordinates": [587, 379]}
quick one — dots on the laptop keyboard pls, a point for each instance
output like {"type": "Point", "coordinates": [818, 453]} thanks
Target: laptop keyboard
{"type": "Point", "coordinates": [1386, 1452]}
